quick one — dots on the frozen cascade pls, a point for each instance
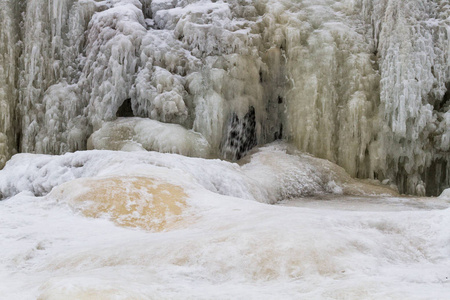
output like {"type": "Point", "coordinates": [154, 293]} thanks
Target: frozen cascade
{"type": "Point", "coordinates": [8, 79]}
{"type": "Point", "coordinates": [363, 83]}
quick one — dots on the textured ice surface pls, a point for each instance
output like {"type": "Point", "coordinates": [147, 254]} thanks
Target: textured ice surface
{"type": "Point", "coordinates": [135, 134]}
{"type": "Point", "coordinates": [131, 201]}
{"type": "Point", "coordinates": [207, 239]}
{"type": "Point", "coordinates": [363, 83]}
{"type": "Point", "coordinates": [271, 174]}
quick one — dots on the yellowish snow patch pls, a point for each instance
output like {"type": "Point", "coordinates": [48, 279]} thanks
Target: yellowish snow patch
{"type": "Point", "coordinates": [138, 201]}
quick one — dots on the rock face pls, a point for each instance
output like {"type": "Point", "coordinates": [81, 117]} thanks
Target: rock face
{"type": "Point", "coordinates": [363, 83]}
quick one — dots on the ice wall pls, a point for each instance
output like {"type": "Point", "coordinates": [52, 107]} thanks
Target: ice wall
{"type": "Point", "coordinates": [362, 83]}
{"type": "Point", "coordinates": [370, 92]}
{"type": "Point", "coordinates": [413, 46]}
{"type": "Point", "coordinates": [9, 53]}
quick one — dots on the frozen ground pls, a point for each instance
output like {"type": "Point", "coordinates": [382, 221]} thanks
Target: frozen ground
{"type": "Point", "coordinates": [207, 237]}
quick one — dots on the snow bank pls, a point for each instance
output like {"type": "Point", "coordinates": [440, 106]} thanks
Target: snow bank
{"type": "Point", "coordinates": [234, 249]}
{"type": "Point", "coordinates": [269, 175]}
{"type": "Point", "coordinates": [445, 194]}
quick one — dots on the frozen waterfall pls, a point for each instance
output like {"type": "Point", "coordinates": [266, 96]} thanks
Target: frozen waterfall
{"type": "Point", "coordinates": [362, 83]}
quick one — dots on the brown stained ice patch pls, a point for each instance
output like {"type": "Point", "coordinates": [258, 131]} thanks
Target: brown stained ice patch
{"type": "Point", "coordinates": [140, 202]}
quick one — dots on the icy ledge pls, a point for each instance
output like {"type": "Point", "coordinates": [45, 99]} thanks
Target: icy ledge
{"type": "Point", "coordinates": [269, 174]}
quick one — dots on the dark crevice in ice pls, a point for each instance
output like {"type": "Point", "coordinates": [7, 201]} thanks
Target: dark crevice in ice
{"type": "Point", "coordinates": [125, 110]}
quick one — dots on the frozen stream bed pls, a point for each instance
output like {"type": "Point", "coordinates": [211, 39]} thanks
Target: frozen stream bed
{"type": "Point", "coordinates": [145, 225]}
{"type": "Point", "coordinates": [368, 203]}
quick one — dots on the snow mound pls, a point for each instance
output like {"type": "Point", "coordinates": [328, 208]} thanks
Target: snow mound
{"type": "Point", "coordinates": [268, 175]}
{"type": "Point", "coordinates": [127, 201]}
{"type": "Point", "coordinates": [135, 134]}
{"type": "Point", "coordinates": [286, 173]}
{"type": "Point", "coordinates": [445, 194]}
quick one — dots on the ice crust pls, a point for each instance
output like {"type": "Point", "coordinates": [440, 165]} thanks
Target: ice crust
{"type": "Point", "coordinates": [146, 225]}
{"type": "Point", "coordinates": [362, 83]}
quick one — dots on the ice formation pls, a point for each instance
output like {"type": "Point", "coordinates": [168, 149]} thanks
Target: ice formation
{"type": "Point", "coordinates": [136, 134]}
{"type": "Point", "coordinates": [270, 174]}
{"type": "Point", "coordinates": [362, 83]}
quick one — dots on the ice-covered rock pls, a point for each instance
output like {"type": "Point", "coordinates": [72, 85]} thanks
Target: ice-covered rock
{"type": "Point", "coordinates": [135, 134]}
